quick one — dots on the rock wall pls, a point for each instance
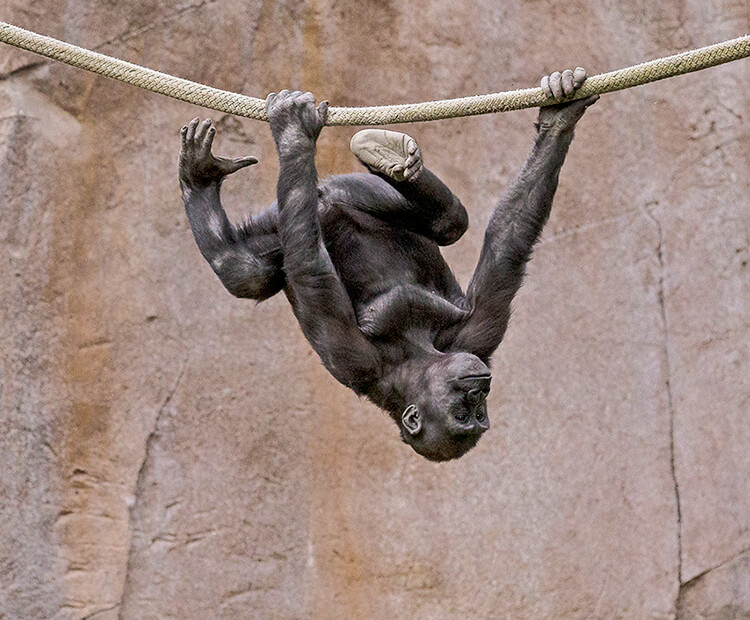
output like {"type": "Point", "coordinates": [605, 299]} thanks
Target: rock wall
{"type": "Point", "coordinates": [171, 451]}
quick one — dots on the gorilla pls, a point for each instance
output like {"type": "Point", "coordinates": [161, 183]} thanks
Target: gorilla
{"type": "Point", "coordinates": [358, 258]}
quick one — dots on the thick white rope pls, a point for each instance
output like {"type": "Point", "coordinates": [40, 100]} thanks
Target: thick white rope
{"type": "Point", "coordinates": [251, 107]}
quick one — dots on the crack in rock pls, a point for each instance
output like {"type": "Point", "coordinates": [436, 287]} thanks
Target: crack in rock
{"type": "Point", "coordinates": [98, 612]}
{"type": "Point", "coordinates": [702, 574]}
{"type": "Point", "coordinates": [141, 478]}
{"type": "Point", "coordinates": [668, 384]}
{"type": "Point", "coordinates": [166, 19]}
{"type": "Point", "coordinates": [23, 69]}
{"type": "Point", "coordinates": [120, 38]}
{"type": "Point", "coordinates": [683, 605]}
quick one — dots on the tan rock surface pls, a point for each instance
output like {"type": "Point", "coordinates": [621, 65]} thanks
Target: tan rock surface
{"type": "Point", "coordinates": [170, 451]}
{"type": "Point", "coordinates": [722, 591]}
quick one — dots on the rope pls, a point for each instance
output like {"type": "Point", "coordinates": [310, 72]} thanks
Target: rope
{"type": "Point", "coordinates": [251, 107]}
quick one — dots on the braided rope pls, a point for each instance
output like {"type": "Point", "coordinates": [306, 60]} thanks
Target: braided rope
{"type": "Point", "coordinates": [251, 107]}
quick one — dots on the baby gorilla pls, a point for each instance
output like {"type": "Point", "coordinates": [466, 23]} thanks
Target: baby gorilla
{"type": "Point", "coordinates": [358, 258]}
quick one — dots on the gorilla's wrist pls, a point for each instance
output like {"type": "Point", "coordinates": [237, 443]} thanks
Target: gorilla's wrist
{"type": "Point", "coordinates": [292, 136]}
{"type": "Point", "coordinates": [553, 130]}
{"type": "Point", "coordinates": [192, 187]}
{"type": "Point", "coordinates": [295, 150]}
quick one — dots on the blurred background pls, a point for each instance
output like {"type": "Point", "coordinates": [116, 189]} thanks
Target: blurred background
{"type": "Point", "coordinates": [169, 451]}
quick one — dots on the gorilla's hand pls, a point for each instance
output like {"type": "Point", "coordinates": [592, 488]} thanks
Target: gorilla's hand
{"type": "Point", "coordinates": [295, 119]}
{"type": "Point", "coordinates": [564, 116]}
{"type": "Point", "coordinates": [198, 167]}
{"type": "Point", "coordinates": [561, 86]}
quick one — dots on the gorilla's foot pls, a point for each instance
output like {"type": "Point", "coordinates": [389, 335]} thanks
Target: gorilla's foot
{"type": "Point", "coordinates": [388, 152]}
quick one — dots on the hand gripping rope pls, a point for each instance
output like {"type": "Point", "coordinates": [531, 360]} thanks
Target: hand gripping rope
{"type": "Point", "coordinates": [251, 107]}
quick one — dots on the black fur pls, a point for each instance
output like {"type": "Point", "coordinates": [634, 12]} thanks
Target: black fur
{"type": "Point", "coordinates": [358, 258]}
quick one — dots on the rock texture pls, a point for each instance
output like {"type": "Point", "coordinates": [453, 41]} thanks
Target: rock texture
{"type": "Point", "coordinates": [170, 451]}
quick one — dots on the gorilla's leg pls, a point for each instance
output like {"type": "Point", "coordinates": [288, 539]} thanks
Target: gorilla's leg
{"type": "Point", "coordinates": [421, 201]}
{"type": "Point", "coordinates": [247, 259]}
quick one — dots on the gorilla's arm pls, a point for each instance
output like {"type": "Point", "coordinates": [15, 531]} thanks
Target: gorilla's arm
{"type": "Point", "coordinates": [318, 298]}
{"type": "Point", "coordinates": [247, 259]}
{"type": "Point", "coordinates": [513, 230]}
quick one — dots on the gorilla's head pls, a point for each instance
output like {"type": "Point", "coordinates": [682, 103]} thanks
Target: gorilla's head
{"type": "Point", "coordinates": [441, 408]}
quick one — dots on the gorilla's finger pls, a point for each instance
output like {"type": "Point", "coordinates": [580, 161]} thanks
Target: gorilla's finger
{"type": "Point", "coordinates": [579, 107]}
{"type": "Point", "coordinates": [208, 140]}
{"type": "Point", "coordinates": [191, 129]}
{"type": "Point", "coordinates": [183, 133]}
{"type": "Point", "coordinates": [591, 100]}
{"type": "Point", "coordinates": [567, 83]}
{"type": "Point", "coordinates": [201, 132]}
{"type": "Point", "coordinates": [233, 165]}
{"type": "Point", "coordinates": [414, 170]}
{"type": "Point", "coordinates": [413, 154]}
{"type": "Point", "coordinates": [545, 86]}
{"type": "Point", "coordinates": [579, 76]}
{"type": "Point", "coordinates": [555, 85]}
{"type": "Point", "coordinates": [323, 110]}
{"type": "Point", "coordinates": [270, 100]}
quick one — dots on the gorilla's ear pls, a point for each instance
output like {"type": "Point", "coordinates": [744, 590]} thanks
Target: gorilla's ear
{"type": "Point", "coordinates": [411, 420]}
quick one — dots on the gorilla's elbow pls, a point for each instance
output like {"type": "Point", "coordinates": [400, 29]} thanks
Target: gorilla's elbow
{"type": "Point", "coordinates": [257, 283]}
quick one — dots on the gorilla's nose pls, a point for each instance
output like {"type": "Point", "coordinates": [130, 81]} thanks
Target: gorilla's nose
{"type": "Point", "coordinates": [475, 396]}
{"type": "Point", "coordinates": [481, 418]}
{"type": "Point", "coordinates": [483, 423]}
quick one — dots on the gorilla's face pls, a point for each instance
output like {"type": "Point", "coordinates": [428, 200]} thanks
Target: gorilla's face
{"type": "Point", "coordinates": [447, 412]}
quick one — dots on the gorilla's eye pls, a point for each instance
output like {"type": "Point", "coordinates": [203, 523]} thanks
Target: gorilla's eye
{"type": "Point", "coordinates": [480, 415]}
{"type": "Point", "coordinates": [462, 416]}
